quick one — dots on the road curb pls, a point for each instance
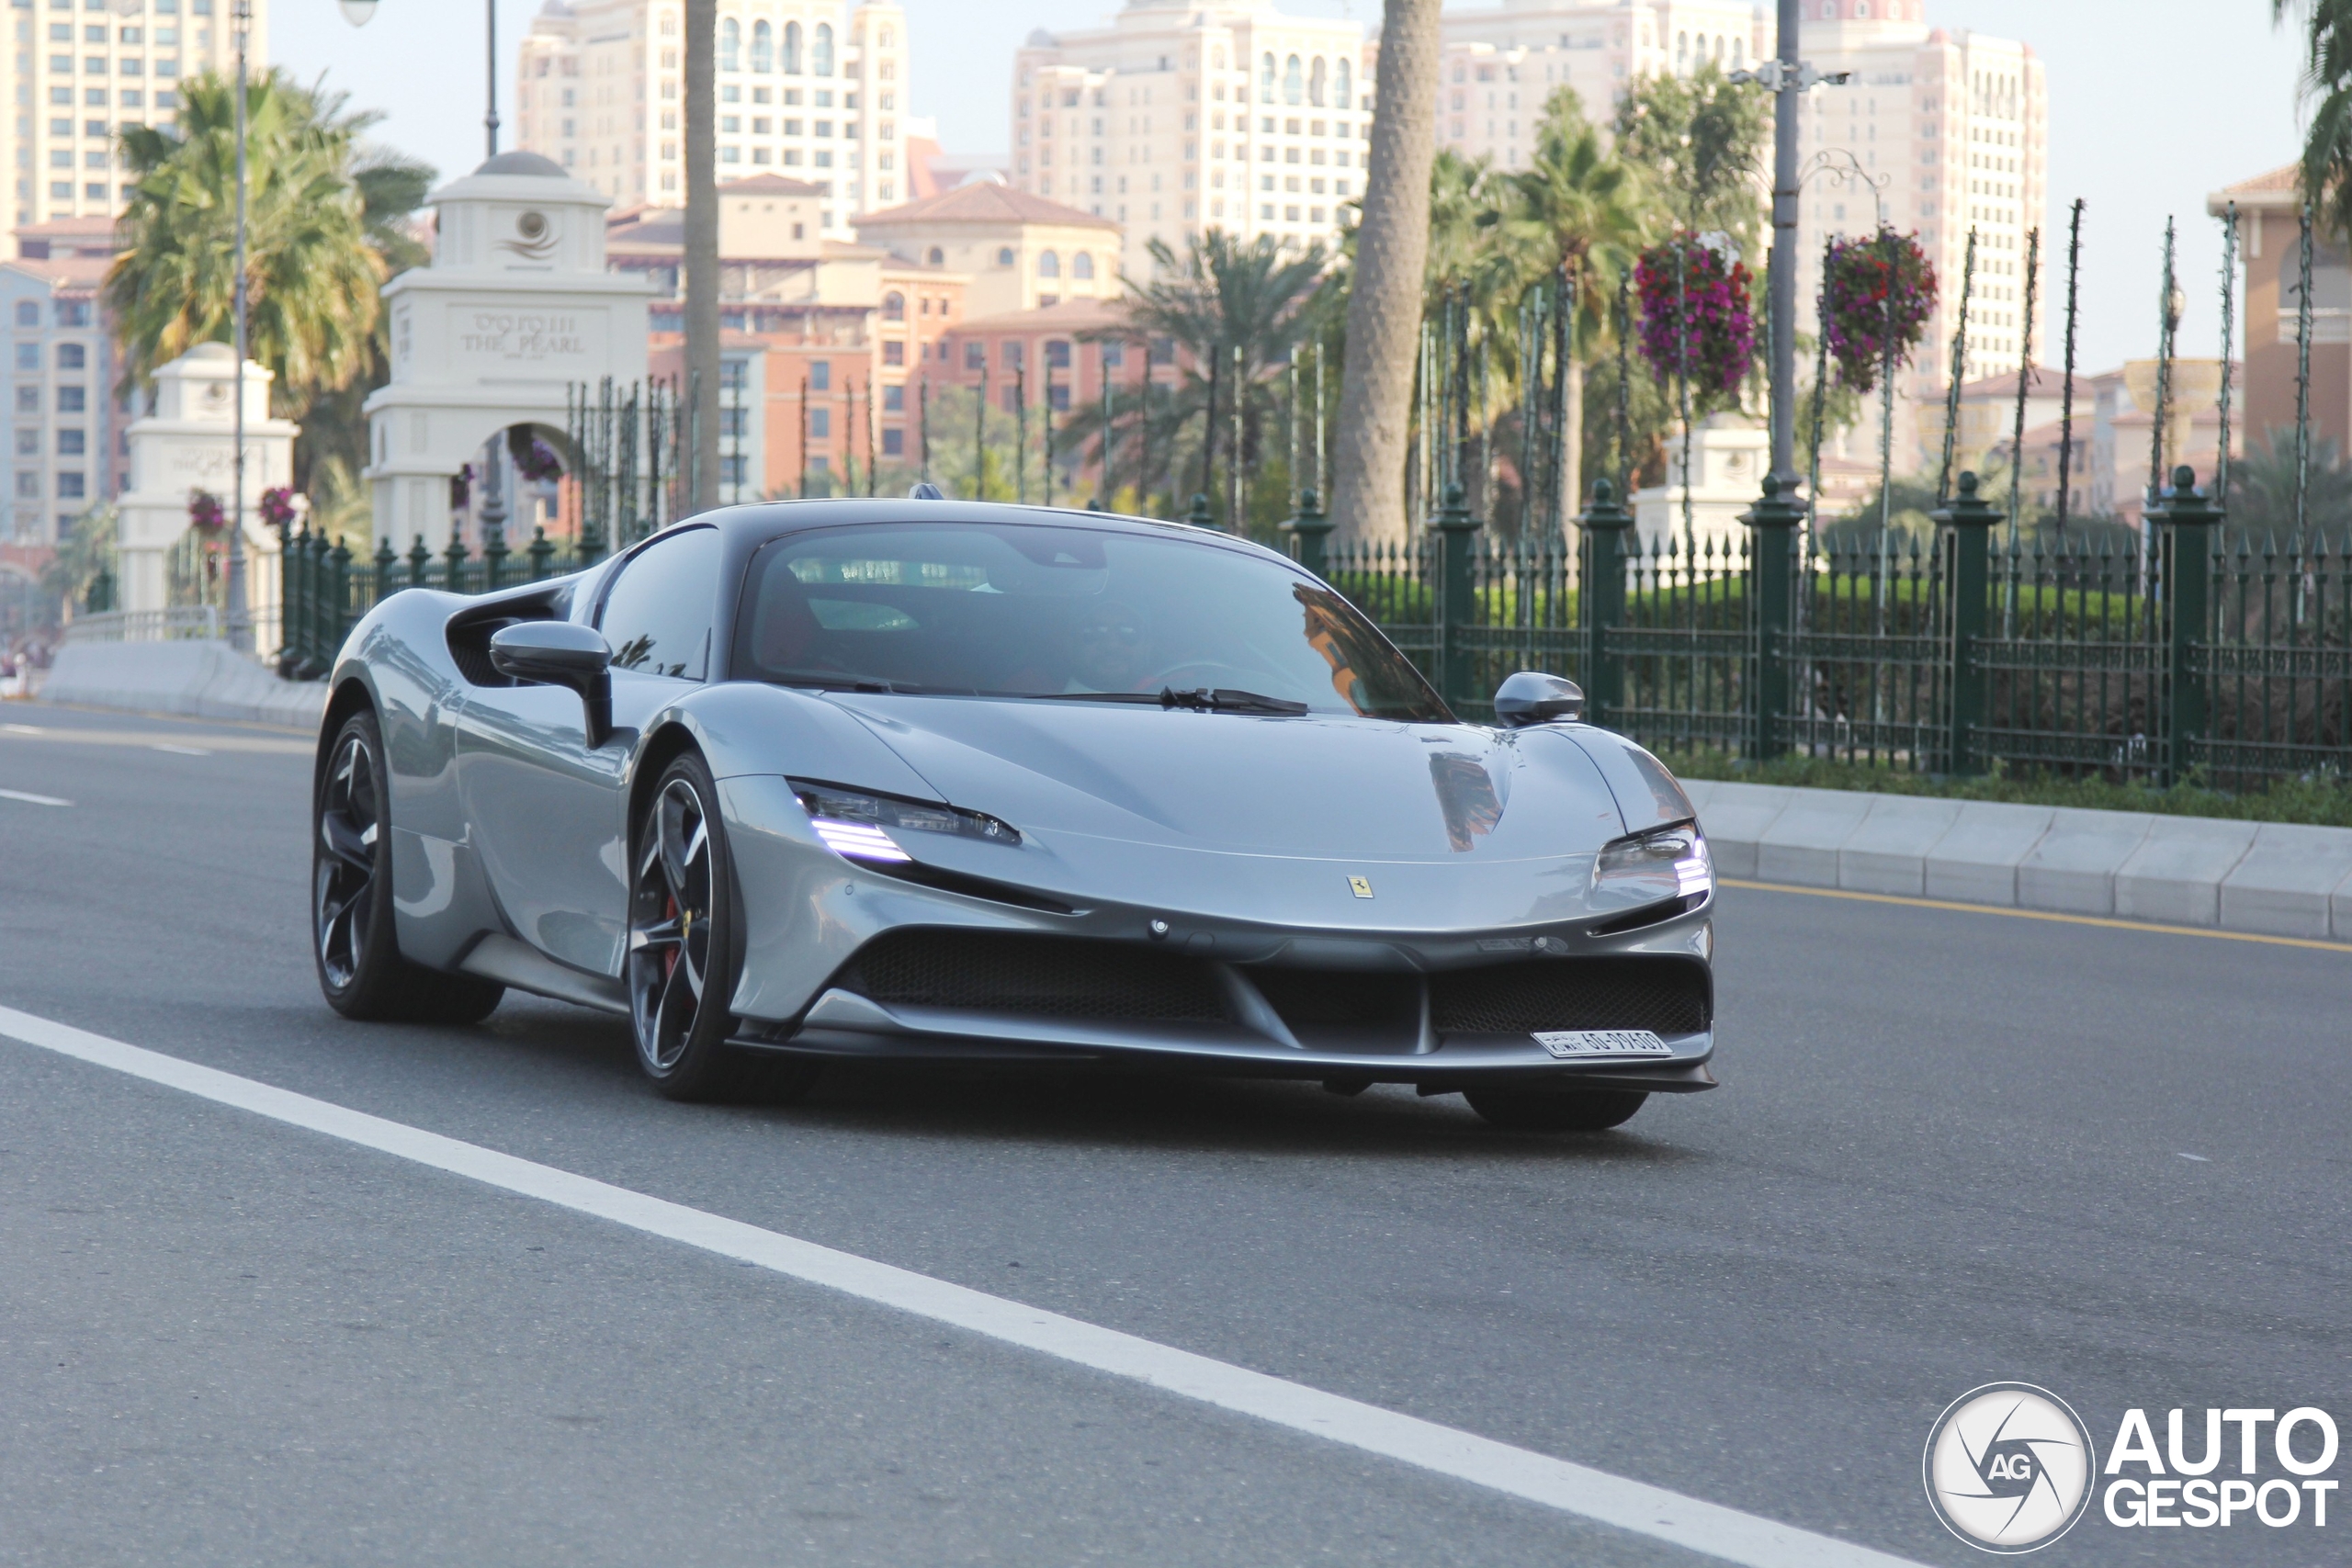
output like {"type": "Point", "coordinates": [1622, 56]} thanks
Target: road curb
{"type": "Point", "coordinates": [2274, 878]}
{"type": "Point", "coordinates": [196, 678]}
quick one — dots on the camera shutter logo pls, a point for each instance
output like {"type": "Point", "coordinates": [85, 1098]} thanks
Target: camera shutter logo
{"type": "Point", "coordinates": [2008, 1467]}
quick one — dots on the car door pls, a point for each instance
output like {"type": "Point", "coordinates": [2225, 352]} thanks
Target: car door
{"type": "Point", "coordinates": [548, 812]}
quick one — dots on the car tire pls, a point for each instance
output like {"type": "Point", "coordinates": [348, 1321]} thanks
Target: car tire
{"type": "Point", "coordinates": [685, 951]}
{"type": "Point", "coordinates": [353, 945]}
{"type": "Point", "coordinates": [1555, 1110]}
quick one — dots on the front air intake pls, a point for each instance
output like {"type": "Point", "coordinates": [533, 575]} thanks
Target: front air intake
{"type": "Point", "coordinates": [1036, 976]}
{"type": "Point", "coordinates": [1666, 995]}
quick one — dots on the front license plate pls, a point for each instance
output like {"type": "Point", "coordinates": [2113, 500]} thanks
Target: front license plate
{"type": "Point", "coordinates": [1580, 1044]}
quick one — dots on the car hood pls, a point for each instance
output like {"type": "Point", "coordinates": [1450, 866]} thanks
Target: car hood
{"type": "Point", "coordinates": [1319, 785]}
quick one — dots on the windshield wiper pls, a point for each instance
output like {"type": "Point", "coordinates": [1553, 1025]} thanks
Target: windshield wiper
{"type": "Point", "coordinates": [1227, 699]}
{"type": "Point", "coordinates": [1224, 699]}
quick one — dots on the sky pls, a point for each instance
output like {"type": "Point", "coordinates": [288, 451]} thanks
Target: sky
{"type": "Point", "coordinates": [2153, 104]}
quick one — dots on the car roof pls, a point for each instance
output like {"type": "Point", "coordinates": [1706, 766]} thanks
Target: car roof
{"type": "Point", "coordinates": [760, 521]}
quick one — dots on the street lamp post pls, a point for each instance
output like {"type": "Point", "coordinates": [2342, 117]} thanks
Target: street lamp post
{"type": "Point", "coordinates": [241, 635]}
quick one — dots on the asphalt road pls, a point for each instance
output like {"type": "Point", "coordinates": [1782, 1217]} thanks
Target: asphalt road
{"type": "Point", "coordinates": [1951, 1148]}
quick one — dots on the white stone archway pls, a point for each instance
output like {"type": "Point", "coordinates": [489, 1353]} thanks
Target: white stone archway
{"type": "Point", "coordinates": [516, 309]}
{"type": "Point", "coordinates": [189, 444]}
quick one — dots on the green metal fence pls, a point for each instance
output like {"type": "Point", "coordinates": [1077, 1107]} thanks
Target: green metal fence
{"type": "Point", "coordinates": [2207, 656]}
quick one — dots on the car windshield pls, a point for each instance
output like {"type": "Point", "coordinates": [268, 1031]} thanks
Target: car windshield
{"type": "Point", "coordinates": [1044, 611]}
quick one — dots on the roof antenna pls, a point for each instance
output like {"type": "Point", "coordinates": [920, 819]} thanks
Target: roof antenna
{"type": "Point", "coordinates": [926, 490]}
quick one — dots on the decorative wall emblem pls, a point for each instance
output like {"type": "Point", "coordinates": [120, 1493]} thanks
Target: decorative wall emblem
{"type": "Point", "coordinates": [533, 237]}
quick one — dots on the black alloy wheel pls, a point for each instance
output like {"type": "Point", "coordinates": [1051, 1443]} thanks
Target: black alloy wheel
{"type": "Point", "coordinates": [352, 941]}
{"type": "Point", "coordinates": [684, 955]}
{"type": "Point", "coordinates": [1555, 1110]}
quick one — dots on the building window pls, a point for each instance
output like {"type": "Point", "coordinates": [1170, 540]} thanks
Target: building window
{"type": "Point", "coordinates": [976, 356]}
{"type": "Point", "coordinates": [1082, 265]}
{"type": "Point", "coordinates": [28, 444]}
{"type": "Point", "coordinates": [894, 399]}
{"type": "Point", "coordinates": [894, 442]}
{"type": "Point", "coordinates": [1049, 265]}
{"type": "Point", "coordinates": [71, 399]}
{"type": "Point", "coordinates": [72, 443]}
{"type": "Point", "coordinates": [28, 312]}
{"type": "Point", "coordinates": [1113, 354]}
{"type": "Point", "coordinates": [731, 45]}
{"type": "Point", "coordinates": [1294, 82]}
{"type": "Point", "coordinates": [1004, 256]}
{"type": "Point", "coordinates": [894, 353]}
{"type": "Point", "coordinates": [820, 425]}
{"type": "Point", "coordinates": [29, 358]}
{"type": "Point", "coordinates": [69, 487]}
{"type": "Point", "coordinates": [71, 356]}
{"type": "Point", "coordinates": [1058, 397]}
{"type": "Point", "coordinates": [28, 482]}
{"type": "Point", "coordinates": [820, 52]}
{"type": "Point", "coordinates": [821, 375]}
{"type": "Point", "coordinates": [1012, 355]}
{"type": "Point", "coordinates": [792, 48]}
{"type": "Point", "coordinates": [894, 306]}
{"type": "Point", "coordinates": [1058, 354]}
{"type": "Point", "coordinates": [763, 48]}
{"type": "Point", "coordinates": [1340, 88]}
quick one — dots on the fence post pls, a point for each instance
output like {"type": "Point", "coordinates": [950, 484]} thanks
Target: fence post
{"type": "Point", "coordinates": [1200, 516]}
{"type": "Point", "coordinates": [1967, 527]}
{"type": "Point", "coordinates": [453, 580]}
{"type": "Point", "coordinates": [541, 550]}
{"type": "Point", "coordinates": [387, 563]}
{"type": "Point", "coordinates": [420, 563]}
{"type": "Point", "coordinates": [340, 603]}
{"type": "Point", "coordinates": [1457, 536]}
{"type": "Point", "coordinates": [1605, 524]}
{"type": "Point", "coordinates": [1309, 532]}
{"type": "Point", "coordinates": [2185, 514]}
{"type": "Point", "coordinates": [1773, 521]}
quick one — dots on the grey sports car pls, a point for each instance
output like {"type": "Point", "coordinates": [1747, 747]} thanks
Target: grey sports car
{"type": "Point", "coordinates": [933, 780]}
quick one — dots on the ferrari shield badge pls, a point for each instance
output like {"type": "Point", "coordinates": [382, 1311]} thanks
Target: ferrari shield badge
{"type": "Point", "coordinates": [1360, 886]}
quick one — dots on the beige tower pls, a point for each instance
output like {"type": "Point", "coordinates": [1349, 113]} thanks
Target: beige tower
{"type": "Point", "coordinates": [815, 90]}
{"type": "Point", "coordinates": [78, 75]}
{"type": "Point", "coordinates": [1179, 118]}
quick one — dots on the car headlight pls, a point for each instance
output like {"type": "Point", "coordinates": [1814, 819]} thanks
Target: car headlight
{"type": "Point", "coordinates": [857, 825]}
{"type": "Point", "coordinates": [1649, 868]}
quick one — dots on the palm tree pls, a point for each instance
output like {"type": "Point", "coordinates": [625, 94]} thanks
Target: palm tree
{"type": "Point", "coordinates": [1384, 314]}
{"type": "Point", "coordinates": [1577, 209]}
{"type": "Point", "coordinates": [325, 224]}
{"type": "Point", "coordinates": [2327, 77]}
{"type": "Point", "coordinates": [1259, 296]}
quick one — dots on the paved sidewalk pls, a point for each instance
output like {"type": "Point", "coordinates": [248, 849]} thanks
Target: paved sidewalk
{"type": "Point", "coordinates": [2279, 879]}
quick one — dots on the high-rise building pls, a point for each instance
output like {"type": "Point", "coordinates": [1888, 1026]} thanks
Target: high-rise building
{"type": "Point", "coordinates": [1178, 117]}
{"type": "Point", "coordinates": [1942, 133]}
{"type": "Point", "coordinates": [1936, 132]}
{"type": "Point", "coordinates": [1502, 64]}
{"type": "Point", "coordinates": [80, 72]}
{"type": "Point", "coordinates": [813, 90]}
{"type": "Point", "coordinates": [65, 422]}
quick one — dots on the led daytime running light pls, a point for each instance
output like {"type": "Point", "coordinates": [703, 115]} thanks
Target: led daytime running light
{"type": "Point", "coordinates": [857, 841]}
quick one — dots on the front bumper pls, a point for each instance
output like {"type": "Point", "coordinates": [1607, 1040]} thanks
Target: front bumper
{"type": "Point", "coordinates": [844, 1025]}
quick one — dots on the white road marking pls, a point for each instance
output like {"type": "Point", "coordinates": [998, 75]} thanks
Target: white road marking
{"type": "Point", "coordinates": [22, 728]}
{"type": "Point", "coordinates": [177, 751]}
{"type": "Point", "coordinates": [1633, 1506]}
{"type": "Point", "coordinates": [31, 799]}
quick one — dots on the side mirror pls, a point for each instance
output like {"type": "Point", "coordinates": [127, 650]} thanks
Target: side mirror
{"type": "Point", "coordinates": [1534, 697]}
{"type": "Point", "coordinates": [561, 653]}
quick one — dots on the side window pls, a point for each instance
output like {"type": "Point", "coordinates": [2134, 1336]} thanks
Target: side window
{"type": "Point", "coordinates": [657, 618]}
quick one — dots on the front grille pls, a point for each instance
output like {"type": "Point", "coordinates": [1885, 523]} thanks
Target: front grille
{"type": "Point", "coordinates": [1041, 977]}
{"type": "Point", "coordinates": [1667, 996]}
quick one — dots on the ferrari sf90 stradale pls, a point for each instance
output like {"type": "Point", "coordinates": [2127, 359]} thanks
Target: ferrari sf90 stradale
{"type": "Point", "coordinates": [936, 781]}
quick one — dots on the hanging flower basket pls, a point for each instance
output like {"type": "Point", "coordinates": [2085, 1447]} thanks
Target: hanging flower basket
{"type": "Point", "coordinates": [277, 507]}
{"type": "Point", "coordinates": [536, 461]}
{"type": "Point", "coordinates": [1695, 317]}
{"type": "Point", "coordinates": [204, 510]}
{"type": "Point", "coordinates": [1877, 293]}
